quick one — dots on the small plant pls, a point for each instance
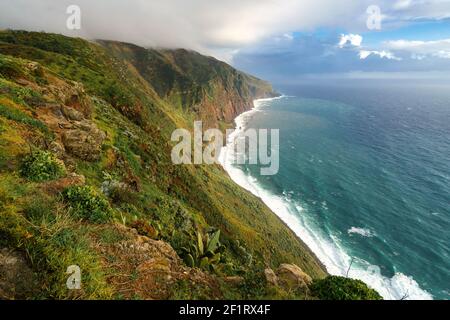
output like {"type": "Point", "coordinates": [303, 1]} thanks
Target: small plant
{"type": "Point", "coordinates": [341, 288]}
{"type": "Point", "coordinates": [41, 166]}
{"type": "Point", "coordinates": [204, 253]}
{"type": "Point", "coordinates": [87, 203]}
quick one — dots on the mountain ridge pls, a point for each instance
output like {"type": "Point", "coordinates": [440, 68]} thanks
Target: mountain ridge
{"type": "Point", "coordinates": [87, 177]}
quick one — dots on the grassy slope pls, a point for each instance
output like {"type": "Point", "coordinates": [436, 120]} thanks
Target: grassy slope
{"type": "Point", "coordinates": [134, 92]}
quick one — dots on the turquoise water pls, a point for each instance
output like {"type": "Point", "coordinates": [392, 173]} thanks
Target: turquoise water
{"type": "Point", "coordinates": [365, 180]}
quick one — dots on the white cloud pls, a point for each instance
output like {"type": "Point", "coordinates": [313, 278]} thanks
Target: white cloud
{"type": "Point", "coordinates": [421, 49]}
{"type": "Point", "coordinates": [364, 54]}
{"type": "Point", "coordinates": [173, 23]}
{"type": "Point", "coordinates": [350, 39]}
{"type": "Point", "coordinates": [211, 27]}
{"type": "Point", "coordinates": [402, 4]}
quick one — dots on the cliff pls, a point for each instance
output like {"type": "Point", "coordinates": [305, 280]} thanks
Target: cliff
{"type": "Point", "coordinates": [86, 177]}
{"type": "Point", "coordinates": [210, 88]}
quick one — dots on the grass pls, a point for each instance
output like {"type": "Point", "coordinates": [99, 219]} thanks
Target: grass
{"type": "Point", "coordinates": [41, 165]}
{"type": "Point", "coordinates": [174, 200]}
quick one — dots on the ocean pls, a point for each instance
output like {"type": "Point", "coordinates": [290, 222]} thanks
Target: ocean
{"type": "Point", "coordinates": [364, 179]}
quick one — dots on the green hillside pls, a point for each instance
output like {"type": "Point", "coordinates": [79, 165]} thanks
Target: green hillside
{"type": "Point", "coordinates": [86, 177]}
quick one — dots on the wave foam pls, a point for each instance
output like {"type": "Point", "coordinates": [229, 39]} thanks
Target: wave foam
{"type": "Point", "coordinates": [328, 251]}
{"type": "Point", "coordinates": [361, 231]}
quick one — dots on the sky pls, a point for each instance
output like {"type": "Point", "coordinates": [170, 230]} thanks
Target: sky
{"type": "Point", "coordinates": [273, 39]}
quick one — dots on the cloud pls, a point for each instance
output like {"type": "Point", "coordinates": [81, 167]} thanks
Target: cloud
{"type": "Point", "coordinates": [421, 9]}
{"type": "Point", "coordinates": [350, 39]}
{"type": "Point", "coordinates": [175, 23]}
{"type": "Point", "coordinates": [363, 54]}
{"type": "Point", "coordinates": [355, 40]}
{"type": "Point", "coordinates": [212, 27]}
{"type": "Point", "coordinates": [421, 49]}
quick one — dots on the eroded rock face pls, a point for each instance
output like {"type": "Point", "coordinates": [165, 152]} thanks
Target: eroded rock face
{"type": "Point", "coordinates": [84, 140]}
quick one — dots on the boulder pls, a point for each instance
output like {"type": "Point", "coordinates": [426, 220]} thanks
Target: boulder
{"type": "Point", "coordinates": [271, 277]}
{"type": "Point", "coordinates": [292, 276]}
{"type": "Point", "coordinates": [71, 113]}
{"type": "Point", "coordinates": [57, 148]}
{"type": "Point", "coordinates": [84, 140]}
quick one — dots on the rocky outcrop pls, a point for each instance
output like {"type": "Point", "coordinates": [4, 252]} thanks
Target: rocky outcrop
{"type": "Point", "coordinates": [288, 276]}
{"type": "Point", "coordinates": [76, 135]}
{"type": "Point", "coordinates": [151, 269]}
{"type": "Point", "coordinates": [84, 140]}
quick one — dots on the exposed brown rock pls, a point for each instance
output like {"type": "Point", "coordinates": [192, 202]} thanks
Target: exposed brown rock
{"type": "Point", "coordinates": [84, 140]}
{"type": "Point", "coordinates": [72, 114]}
{"type": "Point", "coordinates": [271, 277]}
{"type": "Point", "coordinates": [59, 185]}
{"type": "Point", "coordinates": [234, 280]}
{"type": "Point", "coordinates": [291, 276]}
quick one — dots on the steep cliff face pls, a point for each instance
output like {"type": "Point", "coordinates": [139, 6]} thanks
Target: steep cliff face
{"type": "Point", "coordinates": [210, 88]}
{"type": "Point", "coordinates": [85, 164]}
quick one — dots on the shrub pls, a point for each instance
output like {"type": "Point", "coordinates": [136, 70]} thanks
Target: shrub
{"type": "Point", "coordinates": [10, 68]}
{"type": "Point", "coordinates": [41, 166]}
{"type": "Point", "coordinates": [86, 203]}
{"type": "Point", "coordinates": [204, 253]}
{"type": "Point", "coordinates": [341, 288]}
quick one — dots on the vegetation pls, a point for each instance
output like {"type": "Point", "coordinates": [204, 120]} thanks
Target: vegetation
{"type": "Point", "coordinates": [85, 215]}
{"type": "Point", "coordinates": [41, 166]}
{"type": "Point", "coordinates": [341, 288]}
{"type": "Point", "coordinates": [205, 252]}
{"type": "Point", "coordinates": [86, 203]}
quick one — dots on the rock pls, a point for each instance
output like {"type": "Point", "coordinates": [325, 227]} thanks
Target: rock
{"type": "Point", "coordinates": [57, 148]}
{"type": "Point", "coordinates": [56, 186]}
{"type": "Point", "coordinates": [291, 276]}
{"type": "Point", "coordinates": [71, 113]}
{"type": "Point", "coordinates": [271, 277]}
{"type": "Point", "coordinates": [234, 280]}
{"type": "Point", "coordinates": [85, 141]}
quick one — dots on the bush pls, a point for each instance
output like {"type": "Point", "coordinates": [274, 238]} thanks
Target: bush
{"type": "Point", "coordinates": [41, 166]}
{"type": "Point", "coordinates": [9, 68]}
{"type": "Point", "coordinates": [86, 203]}
{"type": "Point", "coordinates": [341, 288]}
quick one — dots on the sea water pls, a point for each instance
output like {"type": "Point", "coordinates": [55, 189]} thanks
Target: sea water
{"type": "Point", "coordinates": [364, 179]}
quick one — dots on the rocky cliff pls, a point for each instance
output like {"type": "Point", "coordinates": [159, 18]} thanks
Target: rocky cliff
{"type": "Point", "coordinates": [86, 177]}
{"type": "Point", "coordinates": [210, 88]}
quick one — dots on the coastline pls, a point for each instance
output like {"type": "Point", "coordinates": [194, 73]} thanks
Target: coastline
{"type": "Point", "coordinates": [240, 122]}
{"type": "Point", "coordinates": [333, 259]}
